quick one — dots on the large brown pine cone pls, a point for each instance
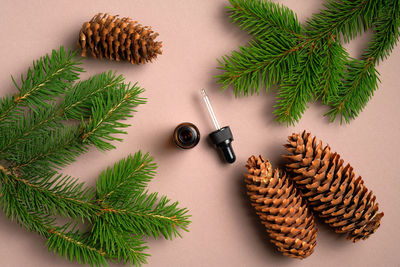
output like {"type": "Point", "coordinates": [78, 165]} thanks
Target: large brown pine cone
{"type": "Point", "coordinates": [289, 223]}
{"type": "Point", "coordinates": [331, 188]}
{"type": "Point", "coordinates": [114, 38]}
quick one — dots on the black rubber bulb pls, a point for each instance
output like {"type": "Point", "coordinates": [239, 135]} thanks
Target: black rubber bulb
{"type": "Point", "coordinates": [223, 138]}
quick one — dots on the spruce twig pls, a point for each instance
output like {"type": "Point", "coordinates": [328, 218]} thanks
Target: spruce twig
{"type": "Point", "coordinates": [40, 134]}
{"type": "Point", "coordinates": [343, 19]}
{"type": "Point", "coordinates": [361, 77]}
{"type": "Point", "coordinates": [107, 112]}
{"type": "Point", "coordinates": [126, 177]}
{"type": "Point", "coordinates": [295, 93]}
{"type": "Point", "coordinates": [47, 79]}
{"type": "Point", "coordinates": [333, 63]}
{"type": "Point", "coordinates": [56, 194]}
{"type": "Point", "coordinates": [280, 43]}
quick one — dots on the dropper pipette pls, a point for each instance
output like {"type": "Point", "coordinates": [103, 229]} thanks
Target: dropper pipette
{"type": "Point", "coordinates": [221, 137]}
{"type": "Point", "coordinates": [210, 109]}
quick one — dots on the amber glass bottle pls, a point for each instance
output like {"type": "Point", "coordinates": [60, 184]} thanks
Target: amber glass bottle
{"type": "Point", "coordinates": [186, 135]}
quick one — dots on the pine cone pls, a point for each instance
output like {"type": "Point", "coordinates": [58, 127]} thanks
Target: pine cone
{"type": "Point", "coordinates": [331, 188]}
{"type": "Point", "coordinates": [106, 36]}
{"type": "Point", "coordinates": [281, 209]}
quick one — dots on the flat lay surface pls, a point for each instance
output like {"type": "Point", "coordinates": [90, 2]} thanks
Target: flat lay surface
{"type": "Point", "coordinates": [224, 231]}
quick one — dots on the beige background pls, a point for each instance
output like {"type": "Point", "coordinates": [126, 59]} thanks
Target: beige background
{"type": "Point", "coordinates": [225, 231]}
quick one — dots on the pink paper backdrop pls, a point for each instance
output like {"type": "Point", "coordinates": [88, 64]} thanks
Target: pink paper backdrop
{"type": "Point", "coordinates": [225, 231]}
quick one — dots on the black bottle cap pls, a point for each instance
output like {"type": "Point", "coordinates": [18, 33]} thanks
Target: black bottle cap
{"type": "Point", "coordinates": [186, 135]}
{"type": "Point", "coordinates": [223, 138]}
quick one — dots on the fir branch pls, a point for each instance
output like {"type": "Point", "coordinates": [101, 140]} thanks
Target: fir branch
{"type": "Point", "coordinates": [75, 246]}
{"type": "Point", "coordinates": [296, 89]}
{"type": "Point", "coordinates": [261, 17]}
{"type": "Point", "coordinates": [146, 214]}
{"type": "Point", "coordinates": [125, 204]}
{"type": "Point", "coordinates": [32, 124]}
{"type": "Point", "coordinates": [343, 19]}
{"type": "Point", "coordinates": [51, 152]}
{"type": "Point", "coordinates": [265, 60]}
{"type": "Point", "coordinates": [15, 209]}
{"type": "Point", "coordinates": [76, 105]}
{"type": "Point", "coordinates": [8, 104]}
{"type": "Point", "coordinates": [387, 32]}
{"type": "Point", "coordinates": [360, 81]}
{"type": "Point", "coordinates": [71, 244]}
{"type": "Point", "coordinates": [107, 112]}
{"type": "Point", "coordinates": [344, 84]}
{"type": "Point", "coordinates": [120, 245]}
{"type": "Point", "coordinates": [57, 194]}
{"type": "Point", "coordinates": [262, 63]}
{"type": "Point", "coordinates": [334, 61]}
{"type": "Point", "coordinates": [128, 176]}
{"type": "Point", "coordinates": [48, 78]}
{"type": "Point", "coordinates": [361, 77]}
{"type": "Point", "coordinates": [40, 135]}
{"type": "Point", "coordinates": [78, 101]}
{"type": "Point", "coordinates": [130, 249]}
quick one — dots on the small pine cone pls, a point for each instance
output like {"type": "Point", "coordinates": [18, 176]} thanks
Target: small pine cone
{"type": "Point", "coordinates": [283, 212]}
{"type": "Point", "coordinates": [110, 37]}
{"type": "Point", "coordinates": [331, 188]}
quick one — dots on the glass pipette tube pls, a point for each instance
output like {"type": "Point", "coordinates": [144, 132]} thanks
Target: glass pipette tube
{"type": "Point", "coordinates": [210, 109]}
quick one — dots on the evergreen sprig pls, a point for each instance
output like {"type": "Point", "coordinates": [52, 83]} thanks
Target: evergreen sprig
{"type": "Point", "coordinates": [56, 194]}
{"type": "Point", "coordinates": [48, 78]}
{"type": "Point", "coordinates": [107, 112]}
{"type": "Point", "coordinates": [51, 151]}
{"type": "Point", "coordinates": [308, 61]}
{"type": "Point", "coordinates": [45, 127]}
{"type": "Point", "coordinates": [128, 176]}
{"type": "Point", "coordinates": [147, 214]}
